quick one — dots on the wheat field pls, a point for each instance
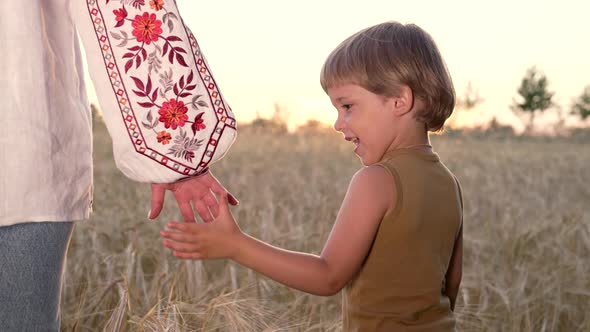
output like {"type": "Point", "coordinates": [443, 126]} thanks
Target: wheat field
{"type": "Point", "coordinates": [526, 233]}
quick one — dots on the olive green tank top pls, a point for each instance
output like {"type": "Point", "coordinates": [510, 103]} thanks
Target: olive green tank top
{"type": "Point", "coordinates": [400, 284]}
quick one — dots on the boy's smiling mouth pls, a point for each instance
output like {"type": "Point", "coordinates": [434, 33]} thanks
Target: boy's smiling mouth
{"type": "Point", "coordinates": [354, 140]}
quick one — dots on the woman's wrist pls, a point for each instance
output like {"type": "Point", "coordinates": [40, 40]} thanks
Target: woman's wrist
{"type": "Point", "coordinates": [202, 172]}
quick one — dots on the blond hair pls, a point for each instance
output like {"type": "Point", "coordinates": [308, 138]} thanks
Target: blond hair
{"type": "Point", "coordinates": [384, 57]}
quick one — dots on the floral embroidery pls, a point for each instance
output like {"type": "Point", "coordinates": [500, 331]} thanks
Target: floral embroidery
{"type": "Point", "coordinates": [120, 16]}
{"type": "Point", "coordinates": [135, 3]}
{"type": "Point", "coordinates": [153, 53]}
{"type": "Point", "coordinates": [173, 114]}
{"type": "Point", "coordinates": [198, 124]}
{"type": "Point", "coordinates": [147, 28]}
{"type": "Point", "coordinates": [185, 146]}
{"type": "Point", "coordinates": [164, 137]}
{"type": "Point", "coordinates": [157, 4]}
{"type": "Point", "coordinates": [138, 3]}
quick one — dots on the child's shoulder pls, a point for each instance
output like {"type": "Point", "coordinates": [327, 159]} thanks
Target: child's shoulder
{"type": "Point", "coordinates": [375, 183]}
{"type": "Point", "coordinates": [376, 175]}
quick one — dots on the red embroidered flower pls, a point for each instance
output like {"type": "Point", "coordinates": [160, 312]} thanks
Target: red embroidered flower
{"type": "Point", "coordinates": [199, 123]}
{"type": "Point", "coordinates": [173, 114]}
{"type": "Point", "coordinates": [147, 28]}
{"type": "Point", "coordinates": [164, 137]}
{"type": "Point", "coordinates": [157, 4]}
{"type": "Point", "coordinates": [120, 16]}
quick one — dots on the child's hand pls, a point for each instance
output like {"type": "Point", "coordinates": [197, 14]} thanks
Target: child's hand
{"type": "Point", "coordinates": [217, 239]}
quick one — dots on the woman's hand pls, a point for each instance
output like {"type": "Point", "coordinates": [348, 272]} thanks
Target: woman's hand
{"type": "Point", "coordinates": [199, 190]}
{"type": "Point", "coordinates": [217, 239]}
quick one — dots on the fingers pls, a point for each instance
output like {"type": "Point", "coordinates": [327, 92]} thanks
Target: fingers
{"type": "Point", "coordinates": [220, 191]}
{"type": "Point", "coordinates": [185, 208]}
{"type": "Point", "coordinates": [212, 204]}
{"type": "Point", "coordinates": [223, 205]}
{"type": "Point", "coordinates": [232, 199]}
{"type": "Point", "coordinates": [203, 211]}
{"type": "Point", "coordinates": [182, 240]}
{"type": "Point", "coordinates": [183, 227]}
{"type": "Point", "coordinates": [217, 188]}
{"type": "Point", "coordinates": [181, 246]}
{"type": "Point", "coordinates": [187, 228]}
{"type": "Point", "coordinates": [179, 237]}
{"type": "Point", "coordinates": [200, 190]}
{"type": "Point", "coordinates": [158, 193]}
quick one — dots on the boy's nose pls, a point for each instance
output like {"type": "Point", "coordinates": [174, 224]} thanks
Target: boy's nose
{"type": "Point", "coordinates": [339, 124]}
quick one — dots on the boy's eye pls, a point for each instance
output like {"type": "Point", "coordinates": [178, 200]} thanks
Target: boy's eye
{"type": "Point", "coordinates": [346, 106]}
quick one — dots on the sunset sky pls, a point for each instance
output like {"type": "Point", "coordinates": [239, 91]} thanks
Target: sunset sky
{"type": "Point", "coordinates": [264, 52]}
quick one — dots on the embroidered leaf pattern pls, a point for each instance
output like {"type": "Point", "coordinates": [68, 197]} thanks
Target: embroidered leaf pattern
{"type": "Point", "coordinates": [174, 52]}
{"type": "Point", "coordinates": [138, 3]}
{"type": "Point", "coordinates": [144, 90]}
{"type": "Point", "coordinates": [154, 62]}
{"type": "Point", "coordinates": [168, 19]}
{"type": "Point", "coordinates": [150, 118]}
{"type": "Point", "coordinates": [196, 103]}
{"type": "Point", "coordinates": [185, 147]}
{"type": "Point", "coordinates": [135, 3]}
{"type": "Point", "coordinates": [123, 37]}
{"type": "Point", "coordinates": [166, 80]}
{"type": "Point", "coordinates": [128, 65]}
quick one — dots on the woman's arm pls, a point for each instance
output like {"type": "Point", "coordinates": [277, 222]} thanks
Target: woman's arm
{"type": "Point", "coordinates": [367, 201]}
{"type": "Point", "coordinates": [160, 135]}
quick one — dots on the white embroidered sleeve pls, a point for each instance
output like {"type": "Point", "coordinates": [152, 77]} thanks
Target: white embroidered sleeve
{"type": "Point", "coordinates": [162, 106]}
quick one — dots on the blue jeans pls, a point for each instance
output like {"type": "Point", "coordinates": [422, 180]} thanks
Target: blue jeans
{"type": "Point", "coordinates": [32, 257]}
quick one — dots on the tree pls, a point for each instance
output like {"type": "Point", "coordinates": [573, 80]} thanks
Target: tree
{"type": "Point", "coordinates": [581, 106]}
{"type": "Point", "coordinates": [534, 94]}
{"type": "Point", "coordinates": [467, 102]}
{"type": "Point", "coordinates": [470, 99]}
{"type": "Point", "coordinates": [497, 129]}
{"type": "Point", "coordinates": [276, 125]}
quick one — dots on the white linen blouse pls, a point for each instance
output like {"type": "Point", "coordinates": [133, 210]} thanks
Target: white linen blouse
{"type": "Point", "coordinates": [164, 111]}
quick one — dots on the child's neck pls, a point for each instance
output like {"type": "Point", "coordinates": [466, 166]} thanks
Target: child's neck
{"type": "Point", "coordinates": [412, 139]}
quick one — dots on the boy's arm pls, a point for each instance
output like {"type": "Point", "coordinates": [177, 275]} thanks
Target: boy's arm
{"type": "Point", "coordinates": [455, 270]}
{"type": "Point", "coordinates": [365, 204]}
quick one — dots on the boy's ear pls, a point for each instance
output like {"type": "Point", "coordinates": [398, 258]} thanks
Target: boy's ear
{"type": "Point", "coordinates": [404, 101]}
